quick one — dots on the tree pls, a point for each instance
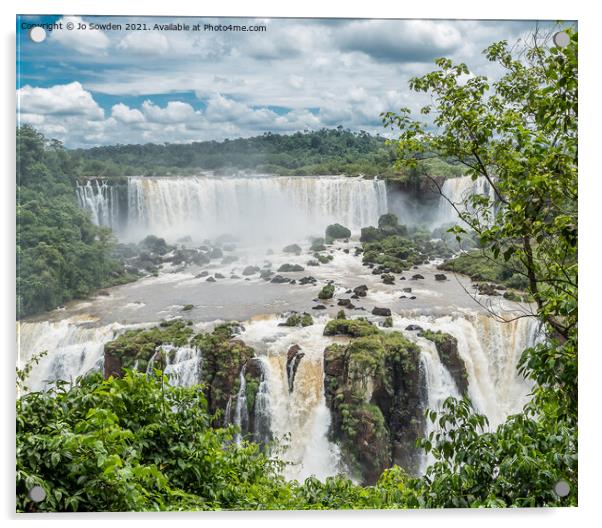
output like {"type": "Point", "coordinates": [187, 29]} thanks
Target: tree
{"type": "Point", "coordinates": [520, 134]}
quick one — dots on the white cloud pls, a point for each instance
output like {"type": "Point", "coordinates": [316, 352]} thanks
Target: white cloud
{"type": "Point", "coordinates": [174, 112]}
{"type": "Point", "coordinates": [143, 43]}
{"type": "Point", "coordinates": [86, 41]}
{"type": "Point", "coordinates": [125, 114]}
{"type": "Point", "coordinates": [63, 99]}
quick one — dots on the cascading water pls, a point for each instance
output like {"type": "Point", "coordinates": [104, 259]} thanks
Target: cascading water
{"type": "Point", "coordinates": [73, 349]}
{"type": "Point", "coordinates": [182, 366]}
{"type": "Point", "coordinates": [102, 200]}
{"type": "Point", "coordinates": [456, 191]}
{"type": "Point", "coordinates": [256, 207]}
{"type": "Point", "coordinates": [299, 418]}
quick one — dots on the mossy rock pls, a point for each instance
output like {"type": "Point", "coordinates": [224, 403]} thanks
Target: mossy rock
{"type": "Point", "coordinates": [290, 268]}
{"type": "Point", "coordinates": [337, 231]}
{"type": "Point", "coordinates": [327, 292]}
{"type": "Point", "coordinates": [296, 319]}
{"type": "Point", "coordinates": [350, 327]}
{"type": "Point", "coordinates": [292, 248]}
{"type": "Point", "coordinates": [447, 348]}
{"type": "Point", "coordinates": [317, 244]}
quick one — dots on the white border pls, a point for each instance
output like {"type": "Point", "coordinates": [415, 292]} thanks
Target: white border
{"type": "Point", "coordinates": [590, 257]}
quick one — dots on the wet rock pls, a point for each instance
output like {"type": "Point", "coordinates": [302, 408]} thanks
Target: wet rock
{"type": "Point", "coordinates": [407, 290]}
{"type": "Point", "coordinates": [486, 288]}
{"type": "Point", "coordinates": [250, 270]}
{"type": "Point", "coordinates": [202, 274]}
{"type": "Point", "coordinates": [414, 328]}
{"type": "Point", "coordinates": [210, 279]}
{"type": "Point", "coordinates": [319, 307]}
{"type": "Point", "coordinates": [219, 276]}
{"type": "Point", "coordinates": [417, 276]}
{"type": "Point", "coordinates": [440, 277]}
{"type": "Point", "coordinates": [346, 250]}
{"type": "Point", "coordinates": [337, 231]}
{"type": "Point", "coordinates": [361, 291]}
{"type": "Point", "coordinates": [384, 312]}
{"type": "Point", "coordinates": [388, 278]}
{"type": "Point", "coordinates": [327, 292]}
{"type": "Point", "coordinates": [293, 358]}
{"type": "Point", "coordinates": [187, 307]}
{"type": "Point", "coordinates": [307, 280]}
{"type": "Point", "coordinates": [317, 245]}
{"type": "Point", "coordinates": [412, 297]}
{"type": "Point", "coordinates": [287, 268]}
{"type": "Point", "coordinates": [293, 248]}
{"type": "Point", "coordinates": [447, 347]}
{"type": "Point", "coordinates": [346, 303]}
{"type": "Point", "coordinates": [234, 276]}
{"type": "Point", "coordinates": [279, 279]}
{"type": "Point", "coordinates": [266, 274]}
{"type": "Point", "coordinates": [313, 262]}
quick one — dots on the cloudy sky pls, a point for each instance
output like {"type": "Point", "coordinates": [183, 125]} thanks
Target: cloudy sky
{"type": "Point", "coordinates": [94, 87]}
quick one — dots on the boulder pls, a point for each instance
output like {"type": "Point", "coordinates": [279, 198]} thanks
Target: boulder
{"type": "Point", "coordinates": [279, 279]}
{"type": "Point", "coordinates": [414, 328]}
{"type": "Point", "coordinates": [384, 312]}
{"type": "Point", "coordinates": [286, 268]}
{"type": "Point", "coordinates": [440, 277]}
{"type": "Point", "coordinates": [250, 270]}
{"type": "Point", "coordinates": [293, 248]}
{"type": "Point", "coordinates": [210, 279]}
{"type": "Point", "coordinates": [417, 276]}
{"type": "Point", "coordinates": [360, 291]}
{"type": "Point", "coordinates": [337, 231]}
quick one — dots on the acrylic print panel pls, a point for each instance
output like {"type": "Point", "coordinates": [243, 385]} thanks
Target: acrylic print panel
{"type": "Point", "coordinates": [295, 263]}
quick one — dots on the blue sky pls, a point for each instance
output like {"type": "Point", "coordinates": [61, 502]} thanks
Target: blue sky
{"type": "Point", "coordinates": [96, 87]}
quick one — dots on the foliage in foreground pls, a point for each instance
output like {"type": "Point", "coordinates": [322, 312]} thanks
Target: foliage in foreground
{"type": "Point", "coordinates": [138, 444]}
{"type": "Point", "coordinates": [519, 134]}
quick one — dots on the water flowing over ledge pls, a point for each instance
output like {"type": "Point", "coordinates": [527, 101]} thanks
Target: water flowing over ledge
{"type": "Point", "coordinates": [255, 206]}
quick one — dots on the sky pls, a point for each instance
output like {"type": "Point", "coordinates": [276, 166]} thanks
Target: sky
{"type": "Point", "coordinates": [91, 87]}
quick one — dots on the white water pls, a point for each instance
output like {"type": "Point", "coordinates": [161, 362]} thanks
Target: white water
{"type": "Point", "coordinates": [457, 190]}
{"type": "Point", "coordinates": [101, 200]}
{"type": "Point", "coordinates": [72, 349]}
{"type": "Point", "coordinates": [254, 207]}
{"type": "Point", "coordinates": [299, 418]}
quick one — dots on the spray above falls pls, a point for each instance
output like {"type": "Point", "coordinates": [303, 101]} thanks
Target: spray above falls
{"type": "Point", "coordinates": [255, 207]}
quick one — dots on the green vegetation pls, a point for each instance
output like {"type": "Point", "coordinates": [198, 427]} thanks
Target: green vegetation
{"type": "Point", "coordinates": [320, 152]}
{"type": "Point", "coordinates": [336, 231]}
{"type": "Point", "coordinates": [374, 390]}
{"type": "Point", "coordinates": [394, 249]}
{"type": "Point", "coordinates": [350, 327]}
{"type": "Point", "coordinates": [135, 443]}
{"type": "Point", "coordinates": [290, 268]}
{"type": "Point", "coordinates": [326, 292]}
{"type": "Point", "coordinates": [61, 255]}
{"type": "Point", "coordinates": [296, 319]}
{"type": "Point", "coordinates": [520, 134]}
{"type": "Point", "coordinates": [480, 266]}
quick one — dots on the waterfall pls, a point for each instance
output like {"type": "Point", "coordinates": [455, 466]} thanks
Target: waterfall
{"type": "Point", "coordinates": [182, 365]}
{"type": "Point", "coordinates": [241, 413]}
{"type": "Point", "coordinates": [101, 200]}
{"type": "Point", "coordinates": [258, 206]}
{"type": "Point", "coordinates": [298, 419]}
{"type": "Point", "coordinates": [457, 190]}
{"type": "Point", "coordinates": [72, 349]}
{"type": "Point", "coordinates": [490, 350]}
{"type": "Point", "coordinates": [262, 423]}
